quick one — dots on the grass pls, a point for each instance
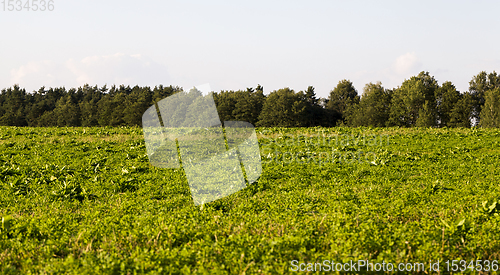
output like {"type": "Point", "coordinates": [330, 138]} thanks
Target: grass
{"type": "Point", "coordinates": [86, 200]}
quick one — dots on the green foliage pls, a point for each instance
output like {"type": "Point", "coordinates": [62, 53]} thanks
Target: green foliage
{"type": "Point", "coordinates": [447, 97]}
{"type": "Point", "coordinates": [86, 200]}
{"type": "Point", "coordinates": [462, 112]}
{"type": "Point", "coordinates": [71, 191]}
{"type": "Point", "coordinates": [478, 86]}
{"type": "Point", "coordinates": [413, 104]}
{"type": "Point", "coordinates": [341, 97]}
{"type": "Point", "coordinates": [240, 105]}
{"type": "Point", "coordinates": [418, 102]}
{"type": "Point", "coordinates": [67, 112]}
{"type": "Point", "coordinates": [426, 115]}
{"type": "Point", "coordinates": [226, 103]}
{"type": "Point", "coordinates": [315, 115]}
{"type": "Point", "coordinates": [13, 107]}
{"type": "Point", "coordinates": [85, 106]}
{"type": "Point", "coordinates": [249, 106]}
{"type": "Point", "coordinates": [490, 112]}
{"type": "Point", "coordinates": [284, 108]}
{"type": "Point", "coordinates": [373, 108]}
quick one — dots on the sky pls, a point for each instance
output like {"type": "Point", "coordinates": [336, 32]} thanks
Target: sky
{"type": "Point", "coordinates": [233, 45]}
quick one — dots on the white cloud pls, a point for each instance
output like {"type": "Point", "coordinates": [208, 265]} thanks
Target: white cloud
{"type": "Point", "coordinates": [407, 63]}
{"type": "Point", "coordinates": [118, 69]}
{"type": "Point", "coordinates": [392, 74]}
{"type": "Point", "coordinates": [98, 70]}
{"type": "Point", "coordinates": [42, 73]}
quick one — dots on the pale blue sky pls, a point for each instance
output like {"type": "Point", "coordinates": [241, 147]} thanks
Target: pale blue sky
{"type": "Point", "coordinates": [237, 44]}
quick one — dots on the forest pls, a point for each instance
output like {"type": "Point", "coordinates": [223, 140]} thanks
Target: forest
{"type": "Point", "coordinates": [418, 102]}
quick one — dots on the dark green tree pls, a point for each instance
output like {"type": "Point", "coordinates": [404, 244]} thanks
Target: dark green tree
{"type": "Point", "coordinates": [414, 103]}
{"type": "Point", "coordinates": [461, 113]}
{"type": "Point", "coordinates": [14, 107]}
{"type": "Point", "coordinates": [37, 108]}
{"type": "Point", "coordinates": [89, 104]}
{"type": "Point", "coordinates": [136, 103]}
{"type": "Point", "coordinates": [490, 112]}
{"type": "Point", "coordinates": [447, 98]}
{"type": "Point", "coordinates": [373, 108]}
{"type": "Point", "coordinates": [478, 86]}
{"type": "Point", "coordinates": [283, 108]}
{"type": "Point", "coordinates": [106, 107]}
{"type": "Point", "coordinates": [249, 105]}
{"type": "Point", "coordinates": [67, 111]}
{"type": "Point", "coordinates": [343, 95]}
{"type": "Point", "coordinates": [49, 102]}
{"type": "Point", "coordinates": [112, 106]}
{"type": "Point", "coordinates": [315, 114]}
{"type": "Point", "coordinates": [160, 92]}
{"type": "Point", "coordinates": [225, 101]}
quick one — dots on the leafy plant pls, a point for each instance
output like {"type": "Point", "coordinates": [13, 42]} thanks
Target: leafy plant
{"type": "Point", "coordinates": [91, 203]}
{"type": "Point", "coordinates": [69, 190]}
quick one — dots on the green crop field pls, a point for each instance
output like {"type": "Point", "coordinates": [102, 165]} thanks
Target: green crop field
{"type": "Point", "coordinates": [87, 201]}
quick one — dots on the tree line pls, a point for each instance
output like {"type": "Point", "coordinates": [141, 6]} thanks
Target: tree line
{"type": "Point", "coordinates": [420, 101]}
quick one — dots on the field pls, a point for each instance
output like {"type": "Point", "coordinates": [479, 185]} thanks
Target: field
{"type": "Point", "coordinates": [86, 200]}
